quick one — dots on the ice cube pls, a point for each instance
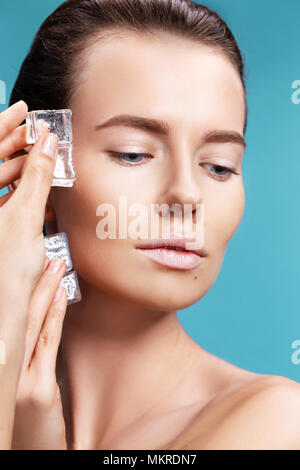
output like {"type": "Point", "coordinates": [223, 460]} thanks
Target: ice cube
{"type": "Point", "coordinates": [58, 121]}
{"type": "Point", "coordinates": [70, 283]}
{"type": "Point", "coordinates": [57, 246]}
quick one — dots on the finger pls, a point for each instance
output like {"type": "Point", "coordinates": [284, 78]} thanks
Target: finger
{"type": "Point", "coordinates": [46, 263]}
{"type": "Point", "coordinates": [25, 366]}
{"type": "Point", "coordinates": [11, 170]}
{"type": "Point", "coordinates": [12, 117]}
{"type": "Point", "coordinates": [19, 153]}
{"type": "Point", "coordinates": [13, 185]}
{"type": "Point", "coordinates": [5, 198]}
{"type": "Point", "coordinates": [45, 353]}
{"type": "Point", "coordinates": [39, 304]}
{"type": "Point", "coordinates": [36, 180]}
{"type": "Point", "coordinates": [14, 142]}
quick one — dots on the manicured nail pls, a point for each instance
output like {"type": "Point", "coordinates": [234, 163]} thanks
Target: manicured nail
{"type": "Point", "coordinates": [54, 266]}
{"type": "Point", "coordinates": [50, 145]}
{"type": "Point", "coordinates": [17, 104]}
{"type": "Point", "coordinates": [58, 294]}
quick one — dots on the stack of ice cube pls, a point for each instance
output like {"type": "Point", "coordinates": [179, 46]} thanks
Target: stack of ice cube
{"type": "Point", "coordinates": [58, 121]}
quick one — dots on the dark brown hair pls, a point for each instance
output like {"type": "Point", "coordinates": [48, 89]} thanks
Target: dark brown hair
{"type": "Point", "coordinates": [47, 76]}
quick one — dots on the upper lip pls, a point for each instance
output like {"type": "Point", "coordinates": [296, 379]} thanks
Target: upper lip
{"type": "Point", "coordinates": [173, 240]}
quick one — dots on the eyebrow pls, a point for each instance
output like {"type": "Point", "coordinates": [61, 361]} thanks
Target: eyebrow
{"type": "Point", "coordinates": [159, 127]}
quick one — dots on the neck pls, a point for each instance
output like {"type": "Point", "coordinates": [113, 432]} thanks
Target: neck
{"type": "Point", "coordinates": [119, 361]}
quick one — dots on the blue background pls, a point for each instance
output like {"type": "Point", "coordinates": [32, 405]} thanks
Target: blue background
{"type": "Point", "coordinates": [250, 316]}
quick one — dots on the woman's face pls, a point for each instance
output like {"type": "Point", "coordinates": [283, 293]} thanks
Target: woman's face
{"type": "Point", "coordinates": [199, 94]}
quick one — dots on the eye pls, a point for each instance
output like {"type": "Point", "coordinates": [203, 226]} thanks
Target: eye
{"type": "Point", "coordinates": [132, 158]}
{"type": "Point", "coordinates": [222, 173]}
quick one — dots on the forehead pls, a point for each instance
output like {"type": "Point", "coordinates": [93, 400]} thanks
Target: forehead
{"type": "Point", "coordinates": [163, 76]}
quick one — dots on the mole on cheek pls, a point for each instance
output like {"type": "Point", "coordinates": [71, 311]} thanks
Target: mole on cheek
{"type": "Point", "coordinates": [196, 277]}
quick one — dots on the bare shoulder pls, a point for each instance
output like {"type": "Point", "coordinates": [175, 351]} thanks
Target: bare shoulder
{"type": "Point", "coordinates": [246, 410]}
{"type": "Point", "coordinates": [258, 412]}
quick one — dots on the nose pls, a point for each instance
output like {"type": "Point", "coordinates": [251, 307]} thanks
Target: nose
{"type": "Point", "coordinates": [182, 187]}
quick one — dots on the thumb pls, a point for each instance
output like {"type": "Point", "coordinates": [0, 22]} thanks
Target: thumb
{"type": "Point", "coordinates": [36, 180]}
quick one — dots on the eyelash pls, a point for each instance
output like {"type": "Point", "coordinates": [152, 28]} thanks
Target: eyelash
{"type": "Point", "coordinates": [120, 155]}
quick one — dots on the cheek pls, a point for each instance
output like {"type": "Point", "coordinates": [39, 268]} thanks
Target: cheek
{"type": "Point", "coordinates": [223, 215]}
{"type": "Point", "coordinates": [109, 264]}
{"type": "Point", "coordinates": [105, 181]}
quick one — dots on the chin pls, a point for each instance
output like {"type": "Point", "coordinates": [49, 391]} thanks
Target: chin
{"type": "Point", "coordinates": [173, 299]}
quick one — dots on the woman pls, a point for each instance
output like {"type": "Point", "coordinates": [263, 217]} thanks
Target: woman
{"type": "Point", "coordinates": [159, 114]}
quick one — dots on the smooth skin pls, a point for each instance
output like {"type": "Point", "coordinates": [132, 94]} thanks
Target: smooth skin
{"type": "Point", "coordinates": [129, 376]}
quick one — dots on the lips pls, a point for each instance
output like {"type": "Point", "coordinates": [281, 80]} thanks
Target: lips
{"type": "Point", "coordinates": [172, 242]}
{"type": "Point", "coordinates": [172, 252]}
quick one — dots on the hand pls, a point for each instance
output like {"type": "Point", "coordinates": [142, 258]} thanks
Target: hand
{"type": "Point", "coordinates": [39, 422]}
{"type": "Point", "coordinates": [22, 249]}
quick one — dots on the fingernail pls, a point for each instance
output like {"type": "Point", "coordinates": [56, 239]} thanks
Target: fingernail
{"type": "Point", "coordinates": [17, 104]}
{"type": "Point", "coordinates": [54, 266]}
{"type": "Point", "coordinates": [50, 145]}
{"type": "Point", "coordinates": [58, 294]}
